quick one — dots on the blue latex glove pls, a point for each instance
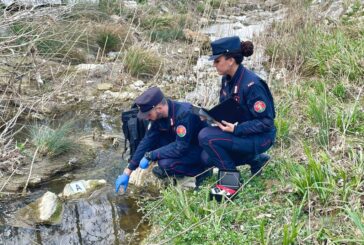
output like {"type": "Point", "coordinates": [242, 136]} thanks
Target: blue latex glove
{"type": "Point", "coordinates": [144, 163]}
{"type": "Point", "coordinates": [122, 180]}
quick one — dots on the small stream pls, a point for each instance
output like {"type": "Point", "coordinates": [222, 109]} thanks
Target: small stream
{"type": "Point", "coordinates": [104, 218]}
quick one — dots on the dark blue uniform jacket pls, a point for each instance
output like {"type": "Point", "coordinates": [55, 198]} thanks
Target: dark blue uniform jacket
{"type": "Point", "coordinates": [255, 98]}
{"type": "Point", "coordinates": [170, 137]}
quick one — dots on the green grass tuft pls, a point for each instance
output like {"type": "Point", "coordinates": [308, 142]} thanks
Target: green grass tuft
{"type": "Point", "coordinates": [141, 62]}
{"type": "Point", "coordinates": [52, 142]}
{"type": "Point", "coordinates": [108, 41]}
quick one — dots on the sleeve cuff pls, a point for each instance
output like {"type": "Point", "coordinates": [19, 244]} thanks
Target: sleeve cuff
{"type": "Point", "coordinates": [153, 156]}
{"type": "Point", "coordinates": [132, 166]}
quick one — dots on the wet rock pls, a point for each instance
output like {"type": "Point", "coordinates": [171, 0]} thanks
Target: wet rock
{"type": "Point", "coordinates": [104, 86]}
{"type": "Point", "coordinates": [46, 210]}
{"type": "Point", "coordinates": [96, 220]}
{"type": "Point", "coordinates": [145, 178]}
{"type": "Point", "coordinates": [81, 188]}
{"type": "Point", "coordinates": [48, 206]}
{"type": "Point", "coordinates": [13, 235]}
{"type": "Point", "coordinates": [35, 180]}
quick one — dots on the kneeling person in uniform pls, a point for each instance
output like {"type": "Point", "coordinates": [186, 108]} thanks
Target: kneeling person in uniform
{"type": "Point", "coordinates": [172, 138]}
{"type": "Point", "coordinates": [244, 142]}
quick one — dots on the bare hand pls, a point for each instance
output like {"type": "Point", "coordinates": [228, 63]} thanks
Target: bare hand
{"type": "Point", "coordinates": [226, 126]}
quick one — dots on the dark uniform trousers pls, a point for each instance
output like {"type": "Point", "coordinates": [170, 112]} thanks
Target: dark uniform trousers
{"type": "Point", "coordinates": [255, 133]}
{"type": "Point", "coordinates": [173, 141]}
{"type": "Point", "coordinates": [226, 151]}
{"type": "Point", "coordinates": [189, 164]}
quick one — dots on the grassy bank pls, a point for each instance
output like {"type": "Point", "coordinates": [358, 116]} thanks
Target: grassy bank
{"type": "Point", "coordinates": [312, 192]}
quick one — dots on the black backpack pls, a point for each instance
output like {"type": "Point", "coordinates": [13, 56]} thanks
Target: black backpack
{"type": "Point", "coordinates": [133, 128]}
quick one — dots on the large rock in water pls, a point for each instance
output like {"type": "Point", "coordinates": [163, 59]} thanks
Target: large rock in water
{"type": "Point", "coordinates": [47, 209]}
{"type": "Point", "coordinates": [145, 178]}
{"type": "Point", "coordinates": [81, 188]}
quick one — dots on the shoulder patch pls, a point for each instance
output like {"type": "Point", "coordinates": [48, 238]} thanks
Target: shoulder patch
{"type": "Point", "coordinates": [259, 106]}
{"type": "Point", "coordinates": [181, 131]}
{"type": "Point", "coordinates": [250, 84]}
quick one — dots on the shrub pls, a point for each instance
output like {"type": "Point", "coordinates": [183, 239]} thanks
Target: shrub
{"type": "Point", "coordinates": [108, 41]}
{"type": "Point", "coordinates": [52, 142]}
{"type": "Point", "coordinates": [140, 62]}
{"type": "Point", "coordinates": [319, 112]}
{"type": "Point", "coordinates": [67, 41]}
{"type": "Point", "coordinates": [316, 177]}
{"type": "Point", "coordinates": [165, 28]}
{"type": "Point", "coordinates": [111, 37]}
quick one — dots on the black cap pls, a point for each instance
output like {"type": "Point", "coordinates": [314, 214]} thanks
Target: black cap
{"type": "Point", "coordinates": [148, 100]}
{"type": "Point", "coordinates": [226, 45]}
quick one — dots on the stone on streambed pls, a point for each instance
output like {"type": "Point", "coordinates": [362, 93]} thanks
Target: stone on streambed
{"type": "Point", "coordinates": [145, 178]}
{"type": "Point", "coordinates": [47, 209]}
{"type": "Point", "coordinates": [81, 188]}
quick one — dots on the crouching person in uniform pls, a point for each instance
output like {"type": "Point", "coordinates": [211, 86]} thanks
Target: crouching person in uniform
{"type": "Point", "coordinates": [172, 138]}
{"type": "Point", "coordinates": [232, 143]}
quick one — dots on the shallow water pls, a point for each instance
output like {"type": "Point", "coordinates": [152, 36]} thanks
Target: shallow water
{"type": "Point", "coordinates": [104, 218]}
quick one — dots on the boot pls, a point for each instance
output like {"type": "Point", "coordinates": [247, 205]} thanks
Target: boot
{"type": "Point", "coordinates": [162, 174]}
{"type": "Point", "coordinates": [258, 163]}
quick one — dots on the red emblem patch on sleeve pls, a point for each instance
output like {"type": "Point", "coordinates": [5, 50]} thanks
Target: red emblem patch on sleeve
{"type": "Point", "coordinates": [181, 131]}
{"type": "Point", "coordinates": [259, 106]}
